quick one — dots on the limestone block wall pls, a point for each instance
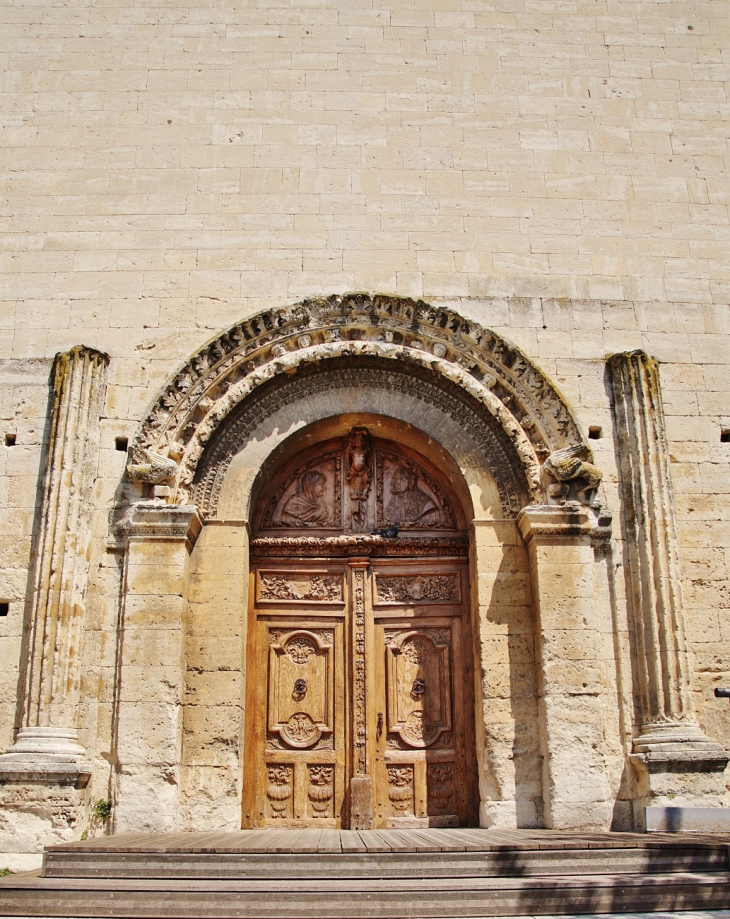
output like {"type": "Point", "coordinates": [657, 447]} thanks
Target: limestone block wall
{"type": "Point", "coordinates": [554, 169]}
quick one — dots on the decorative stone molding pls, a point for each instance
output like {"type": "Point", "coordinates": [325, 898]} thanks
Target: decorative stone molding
{"type": "Point", "coordinates": [48, 737]}
{"type": "Point", "coordinates": [667, 723]}
{"type": "Point", "coordinates": [160, 522]}
{"type": "Point", "coordinates": [567, 520]}
{"type": "Point", "coordinates": [353, 546]}
{"type": "Point", "coordinates": [396, 331]}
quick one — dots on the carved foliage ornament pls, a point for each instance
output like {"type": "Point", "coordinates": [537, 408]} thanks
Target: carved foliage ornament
{"type": "Point", "coordinates": [314, 587]}
{"type": "Point", "coordinates": [439, 588]}
{"type": "Point", "coordinates": [231, 368]}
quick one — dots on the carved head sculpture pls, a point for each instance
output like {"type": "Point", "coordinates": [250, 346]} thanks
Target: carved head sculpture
{"type": "Point", "coordinates": [312, 484]}
{"type": "Point", "coordinates": [403, 480]}
{"type": "Point", "coordinates": [308, 505]}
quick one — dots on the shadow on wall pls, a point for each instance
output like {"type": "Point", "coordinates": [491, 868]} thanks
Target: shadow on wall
{"type": "Point", "coordinates": [509, 686]}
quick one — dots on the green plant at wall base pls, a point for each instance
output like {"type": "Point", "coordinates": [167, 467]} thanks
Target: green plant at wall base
{"type": "Point", "coordinates": [102, 809]}
{"type": "Point", "coordinates": [5, 872]}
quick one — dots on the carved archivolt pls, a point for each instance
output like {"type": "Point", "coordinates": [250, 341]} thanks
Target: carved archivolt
{"type": "Point", "coordinates": [499, 380]}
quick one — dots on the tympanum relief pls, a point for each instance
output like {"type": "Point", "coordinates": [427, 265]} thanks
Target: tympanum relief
{"type": "Point", "coordinates": [308, 498]}
{"type": "Point", "coordinates": [330, 488]}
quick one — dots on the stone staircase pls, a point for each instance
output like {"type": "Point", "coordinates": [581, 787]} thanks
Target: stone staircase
{"type": "Point", "coordinates": [403, 873]}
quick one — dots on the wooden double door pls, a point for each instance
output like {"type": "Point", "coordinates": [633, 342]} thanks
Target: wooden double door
{"type": "Point", "coordinates": [359, 703]}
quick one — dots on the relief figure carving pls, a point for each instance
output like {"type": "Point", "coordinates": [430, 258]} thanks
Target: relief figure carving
{"type": "Point", "coordinates": [569, 474]}
{"type": "Point", "coordinates": [308, 505]}
{"type": "Point", "coordinates": [358, 464]}
{"type": "Point", "coordinates": [154, 468]}
{"type": "Point", "coordinates": [408, 503]}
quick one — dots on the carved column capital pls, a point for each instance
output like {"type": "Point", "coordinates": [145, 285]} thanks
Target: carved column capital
{"type": "Point", "coordinates": [161, 521]}
{"type": "Point", "coordinates": [563, 521]}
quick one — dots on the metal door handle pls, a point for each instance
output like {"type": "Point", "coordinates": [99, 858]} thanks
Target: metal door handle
{"type": "Point", "coordinates": [379, 728]}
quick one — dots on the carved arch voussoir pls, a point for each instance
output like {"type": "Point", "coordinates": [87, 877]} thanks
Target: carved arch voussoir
{"type": "Point", "coordinates": [278, 343]}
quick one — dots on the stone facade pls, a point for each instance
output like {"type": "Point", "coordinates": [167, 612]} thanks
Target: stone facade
{"type": "Point", "coordinates": [189, 194]}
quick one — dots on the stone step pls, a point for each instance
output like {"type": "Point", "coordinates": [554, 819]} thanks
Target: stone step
{"type": "Point", "coordinates": [403, 897]}
{"type": "Point", "coordinates": [79, 863]}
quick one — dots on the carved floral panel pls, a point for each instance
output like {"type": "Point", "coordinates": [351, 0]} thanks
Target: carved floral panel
{"type": "Point", "coordinates": [280, 791]}
{"type": "Point", "coordinates": [320, 791]}
{"type": "Point", "coordinates": [294, 587]}
{"type": "Point", "coordinates": [420, 588]}
{"type": "Point", "coordinates": [401, 790]}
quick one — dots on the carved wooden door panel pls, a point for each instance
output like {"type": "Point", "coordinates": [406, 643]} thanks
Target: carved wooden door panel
{"type": "Point", "coordinates": [423, 774]}
{"type": "Point", "coordinates": [359, 679]}
{"type": "Point", "coordinates": [296, 754]}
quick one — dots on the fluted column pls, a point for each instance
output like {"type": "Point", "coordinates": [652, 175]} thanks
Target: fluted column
{"type": "Point", "coordinates": [669, 742]}
{"type": "Point", "coordinates": [48, 738]}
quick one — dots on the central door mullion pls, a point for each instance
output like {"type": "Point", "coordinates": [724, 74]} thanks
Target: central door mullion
{"type": "Point", "coordinates": [361, 784]}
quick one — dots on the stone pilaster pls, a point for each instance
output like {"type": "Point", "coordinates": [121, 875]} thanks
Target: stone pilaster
{"type": "Point", "coordinates": [47, 747]}
{"type": "Point", "coordinates": [669, 741]}
{"type": "Point", "coordinates": [149, 706]}
{"type": "Point", "coordinates": [576, 791]}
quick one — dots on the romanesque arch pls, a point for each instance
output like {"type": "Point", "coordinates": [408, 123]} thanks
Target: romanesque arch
{"type": "Point", "coordinates": [509, 402]}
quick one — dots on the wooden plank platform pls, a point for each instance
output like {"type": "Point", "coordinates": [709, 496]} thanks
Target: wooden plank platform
{"type": "Point", "coordinates": [441, 840]}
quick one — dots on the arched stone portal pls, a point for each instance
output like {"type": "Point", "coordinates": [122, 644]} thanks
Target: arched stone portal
{"type": "Point", "coordinates": [471, 406]}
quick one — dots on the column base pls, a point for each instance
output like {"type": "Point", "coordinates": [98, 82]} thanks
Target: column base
{"type": "Point", "coordinates": [46, 754]}
{"type": "Point", "coordinates": [677, 765]}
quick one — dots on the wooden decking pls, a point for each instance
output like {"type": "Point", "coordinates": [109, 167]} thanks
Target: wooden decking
{"type": "Point", "coordinates": [384, 841]}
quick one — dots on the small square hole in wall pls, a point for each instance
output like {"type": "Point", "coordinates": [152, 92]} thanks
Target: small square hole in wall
{"type": "Point", "coordinates": [725, 436]}
{"type": "Point", "coordinates": [10, 440]}
{"type": "Point", "coordinates": [595, 432]}
{"type": "Point", "coordinates": [4, 608]}
{"type": "Point", "coordinates": [121, 444]}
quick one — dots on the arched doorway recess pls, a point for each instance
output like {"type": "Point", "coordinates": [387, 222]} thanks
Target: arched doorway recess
{"type": "Point", "coordinates": [473, 404]}
{"type": "Point", "coordinates": [359, 629]}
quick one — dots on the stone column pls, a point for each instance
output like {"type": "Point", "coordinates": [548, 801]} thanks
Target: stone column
{"type": "Point", "coordinates": [576, 791]}
{"type": "Point", "coordinates": [47, 744]}
{"type": "Point", "coordinates": [151, 657]}
{"type": "Point", "coordinates": [669, 737]}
